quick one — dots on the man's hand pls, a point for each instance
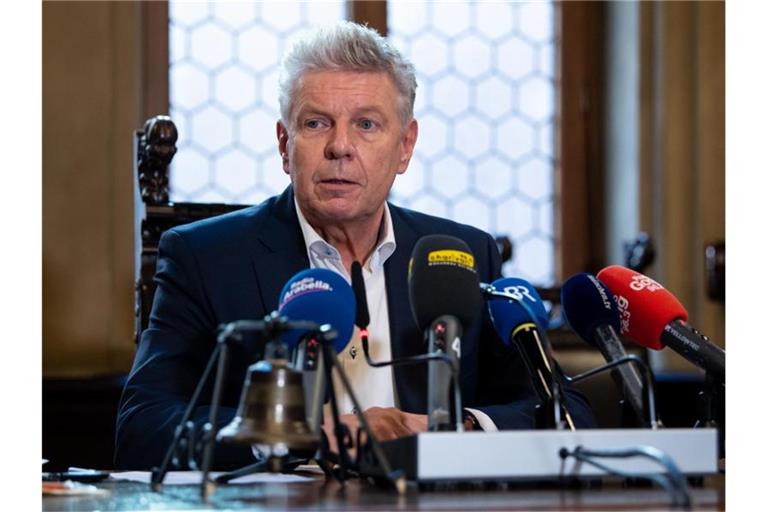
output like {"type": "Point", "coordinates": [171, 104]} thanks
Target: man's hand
{"type": "Point", "coordinates": [385, 423]}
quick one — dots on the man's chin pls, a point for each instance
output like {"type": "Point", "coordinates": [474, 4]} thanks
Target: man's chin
{"type": "Point", "coordinates": [338, 215]}
{"type": "Point", "coordinates": [338, 210]}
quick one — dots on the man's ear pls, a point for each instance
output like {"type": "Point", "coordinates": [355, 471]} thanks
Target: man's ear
{"type": "Point", "coordinates": [408, 142]}
{"type": "Point", "coordinates": [282, 144]}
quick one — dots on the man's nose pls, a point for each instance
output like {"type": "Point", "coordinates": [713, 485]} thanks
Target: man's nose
{"type": "Point", "coordinates": [339, 145]}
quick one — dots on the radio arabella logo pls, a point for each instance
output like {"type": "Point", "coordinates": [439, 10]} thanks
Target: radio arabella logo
{"type": "Point", "coordinates": [306, 285]}
{"type": "Point", "coordinates": [640, 283]}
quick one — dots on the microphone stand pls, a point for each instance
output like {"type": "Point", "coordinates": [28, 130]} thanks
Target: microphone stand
{"type": "Point", "coordinates": [185, 426]}
{"type": "Point", "coordinates": [395, 477]}
{"type": "Point", "coordinates": [709, 400]}
{"type": "Point", "coordinates": [272, 326]}
{"type": "Point", "coordinates": [649, 398]}
{"type": "Point", "coordinates": [227, 334]}
{"type": "Point", "coordinates": [362, 319]}
{"type": "Point", "coordinates": [421, 358]}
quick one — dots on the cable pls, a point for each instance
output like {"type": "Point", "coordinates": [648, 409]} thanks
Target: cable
{"type": "Point", "coordinates": [672, 480]}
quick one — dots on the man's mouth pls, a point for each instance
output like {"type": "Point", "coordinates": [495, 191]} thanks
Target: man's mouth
{"type": "Point", "coordinates": [335, 181]}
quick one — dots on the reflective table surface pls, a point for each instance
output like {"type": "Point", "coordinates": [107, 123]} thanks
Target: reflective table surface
{"type": "Point", "coordinates": [318, 494]}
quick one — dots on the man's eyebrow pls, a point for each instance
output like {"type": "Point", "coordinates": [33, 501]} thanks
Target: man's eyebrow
{"type": "Point", "coordinates": [374, 109]}
{"type": "Point", "coordinates": [308, 109]}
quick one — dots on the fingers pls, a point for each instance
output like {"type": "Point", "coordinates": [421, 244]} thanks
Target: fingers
{"type": "Point", "coordinates": [386, 423]}
{"type": "Point", "coordinates": [390, 423]}
{"type": "Point", "coordinates": [350, 420]}
{"type": "Point", "coordinates": [415, 422]}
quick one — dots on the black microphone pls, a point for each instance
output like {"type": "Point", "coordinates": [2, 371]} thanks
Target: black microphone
{"type": "Point", "coordinates": [362, 318]}
{"type": "Point", "coordinates": [593, 314]}
{"type": "Point", "coordinates": [444, 291]}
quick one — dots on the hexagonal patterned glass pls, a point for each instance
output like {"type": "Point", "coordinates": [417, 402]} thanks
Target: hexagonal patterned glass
{"type": "Point", "coordinates": [485, 105]}
{"type": "Point", "coordinates": [224, 61]}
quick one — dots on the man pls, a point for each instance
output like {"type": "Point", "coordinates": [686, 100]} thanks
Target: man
{"type": "Point", "coordinates": [346, 131]}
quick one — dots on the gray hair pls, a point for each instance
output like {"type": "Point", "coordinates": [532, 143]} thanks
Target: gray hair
{"type": "Point", "coordinates": [346, 46]}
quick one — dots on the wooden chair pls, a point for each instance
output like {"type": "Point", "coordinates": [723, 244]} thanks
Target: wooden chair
{"type": "Point", "coordinates": [153, 148]}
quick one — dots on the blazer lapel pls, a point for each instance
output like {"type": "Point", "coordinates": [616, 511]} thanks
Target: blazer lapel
{"type": "Point", "coordinates": [405, 337]}
{"type": "Point", "coordinates": [280, 251]}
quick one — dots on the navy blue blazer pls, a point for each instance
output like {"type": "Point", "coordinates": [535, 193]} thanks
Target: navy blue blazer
{"type": "Point", "coordinates": [233, 267]}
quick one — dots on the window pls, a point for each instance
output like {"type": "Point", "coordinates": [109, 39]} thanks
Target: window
{"type": "Point", "coordinates": [485, 105]}
{"type": "Point", "coordinates": [224, 65]}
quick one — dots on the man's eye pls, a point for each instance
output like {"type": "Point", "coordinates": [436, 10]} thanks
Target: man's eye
{"type": "Point", "coordinates": [367, 124]}
{"type": "Point", "coordinates": [312, 123]}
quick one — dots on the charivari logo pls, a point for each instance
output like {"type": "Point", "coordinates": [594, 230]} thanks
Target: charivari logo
{"type": "Point", "coordinates": [640, 283]}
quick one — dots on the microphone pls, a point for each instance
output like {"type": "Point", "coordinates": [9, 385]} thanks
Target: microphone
{"type": "Point", "coordinates": [322, 296]}
{"type": "Point", "coordinates": [362, 317]}
{"type": "Point", "coordinates": [519, 317]}
{"type": "Point", "coordinates": [651, 316]}
{"type": "Point", "coordinates": [444, 291]}
{"type": "Point", "coordinates": [592, 312]}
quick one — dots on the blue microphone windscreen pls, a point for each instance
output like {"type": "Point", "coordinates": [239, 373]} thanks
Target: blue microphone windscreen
{"type": "Point", "coordinates": [508, 314]}
{"type": "Point", "coordinates": [321, 296]}
{"type": "Point", "coordinates": [587, 303]}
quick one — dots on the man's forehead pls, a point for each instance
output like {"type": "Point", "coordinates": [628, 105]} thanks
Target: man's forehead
{"type": "Point", "coordinates": [345, 94]}
{"type": "Point", "coordinates": [376, 87]}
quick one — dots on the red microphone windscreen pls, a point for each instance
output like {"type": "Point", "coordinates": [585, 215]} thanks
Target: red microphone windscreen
{"type": "Point", "coordinates": [645, 307]}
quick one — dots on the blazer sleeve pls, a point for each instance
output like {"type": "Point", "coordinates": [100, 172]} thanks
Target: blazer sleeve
{"type": "Point", "coordinates": [170, 359]}
{"type": "Point", "coordinates": [505, 390]}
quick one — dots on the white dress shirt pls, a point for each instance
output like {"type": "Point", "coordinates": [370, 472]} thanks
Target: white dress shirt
{"type": "Point", "coordinates": [372, 386]}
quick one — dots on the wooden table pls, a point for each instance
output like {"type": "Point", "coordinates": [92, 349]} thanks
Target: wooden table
{"type": "Point", "coordinates": [319, 494]}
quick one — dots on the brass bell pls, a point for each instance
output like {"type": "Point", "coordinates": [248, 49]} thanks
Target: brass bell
{"type": "Point", "coordinates": [272, 411]}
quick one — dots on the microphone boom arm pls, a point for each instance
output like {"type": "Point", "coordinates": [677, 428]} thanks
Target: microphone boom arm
{"type": "Point", "coordinates": [421, 358]}
{"type": "Point", "coordinates": [647, 376]}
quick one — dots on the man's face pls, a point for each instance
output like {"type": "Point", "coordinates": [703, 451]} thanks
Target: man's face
{"type": "Point", "coordinates": [345, 144]}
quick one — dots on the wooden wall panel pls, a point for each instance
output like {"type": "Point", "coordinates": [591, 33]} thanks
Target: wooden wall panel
{"type": "Point", "coordinates": [683, 153]}
{"type": "Point", "coordinates": [371, 12]}
{"type": "Point", "coordinates": [710, 155]}
{"type": "Point", "coordinates": [91, 103]}
{"type": "Point", "coordinates": [579, 224]}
